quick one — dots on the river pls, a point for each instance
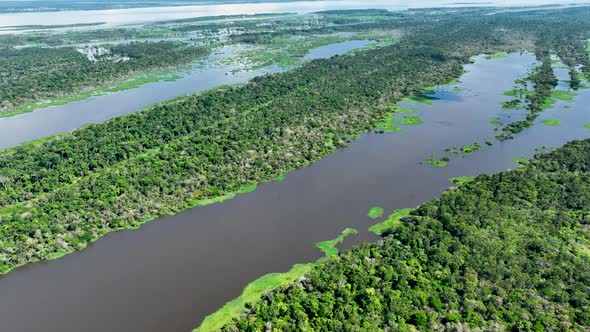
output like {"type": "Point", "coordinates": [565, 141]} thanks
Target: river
{"type": "Point", "coordinates": [204, 75]}
{"type": "Point", "coordinates": [172, 272]}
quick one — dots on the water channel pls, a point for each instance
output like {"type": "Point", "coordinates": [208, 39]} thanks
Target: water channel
{"type": "Point", "coordinates": [172, 272]}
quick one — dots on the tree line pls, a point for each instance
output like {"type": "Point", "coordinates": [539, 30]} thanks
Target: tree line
{"type": "Point", "coordinates": [508, 251]}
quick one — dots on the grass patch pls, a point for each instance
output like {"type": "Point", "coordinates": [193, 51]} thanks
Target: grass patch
{"type": "Point", "coordinates": [329, 247]}
{"type": "Point", "coordinates": [421, 98]}
{"type": "Point", "coordinates": [459, 180]}
{"type": "Point", "coordinates": [497, 56]}
{"type": "Point", "coordinates": [520, 160]}
{"type": "Point", "coordinates": [256, 289]}
{"type": "Point", "coordinates": [252, 293]}
{"type": "Point", "coordinates": [496, 122]}
{"type": "Point", "coordinates": [587, 126]}
{"type": "Point", "coordinates": [411, 120]}
{"type": "Point", "coordinates": [469, 149]}
{"type": "Point", "coordinates": [390, 222]}
{"type": "Point", "coordinates": [452, 82]}
{"type": "Point", "coordinates": [563, 95]}
{"type": "Point", "coordinates": [438, 163]}
{"type": "Point", "coordinates": [452, 150]}
{"type": "Point", "coordinates": [389, 124]}
{"type": "Point", "coordinates": [219, 199]}
{"type": "Point", "coordinates": [551, 122]}
{"type": "Point", "coordinates": [549, 103]}
{"type": "Point", "coordinates": [282, 176]}
{"type": "Point", "coordinates": [375, 212]}
{"type": "Point", "coordinates": [402, 110]}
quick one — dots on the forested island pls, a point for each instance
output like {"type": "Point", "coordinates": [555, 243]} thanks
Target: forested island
{"type": "Point", "coordinates": [66, 191]}
{"type": "Point", "coordinates": [34, 74]}
{"type": "Point", "coordinates": [508, 251]}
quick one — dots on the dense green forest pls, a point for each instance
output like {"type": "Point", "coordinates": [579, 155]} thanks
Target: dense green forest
{"type": "Point", "coordinates": [508, 251]}
{"type": "Point", "coordinates": [35, 74]}
{"type": "Point", "coordinates": [58, 195]}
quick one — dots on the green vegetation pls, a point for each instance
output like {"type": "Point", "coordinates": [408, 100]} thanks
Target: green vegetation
{"type": "Point", "coordinates": [375, 212]}
{"type": "Point", "coordinates": [563, 95]}
{"type": "Point", "coordinates": [238, 306]}
{"type": "Point", "coordinates": [421, 98]}
{"type": "Point", "coordinates": [389, 124]}
{"type": "Point", "coordinates": [469, 149]}
{"type": "Point", "coordinates": [461, 179]}
{"type": "Point", "coordinates": [452, 150]}
{"type": "Point", "coordinates": [392, 221]}
{"type": "Point", "coordinates": [543, 80]}
{"type": "Point", "coordinates": [587, 125]}
{"type": "Point", "coordinates": [196, 150]}
{"type": "Point", "coordinates": [329, 247]}
{"type": "Point", "coordinates": [55, 76]}
{"type": "Point", "coordinates": [537, 92]}
{"type": "Point", "coordinates": [61, 194]}
{"type": "Point", "coordinates": [51, 68]}
{"type": "Point", "coordinates": [452, 82]}
{"type": "Point", "coordinates": [497, 56]}
{"type": "Point", "coordinates": [551, 122]}
{"type": "Point", "coordinates": [507, 251]}
{"type": "Point", "coordinates": [126, 85]}
{"type": "Point", "coordinates": [411, 120]}
{"type": "Point", "coordinates": [219, 199]}
{"type": "Point", "coordinates": [520, 160]}
{"type": "Point", "coordinates": [283, 50]}
{"type": "Point", "coordinates": [438, 163]}
{"type": "Point", "coordinates": [401, 110]}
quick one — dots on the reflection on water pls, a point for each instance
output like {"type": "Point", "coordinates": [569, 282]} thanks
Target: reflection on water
{"type": "Point", "coordinates": [172, 272]}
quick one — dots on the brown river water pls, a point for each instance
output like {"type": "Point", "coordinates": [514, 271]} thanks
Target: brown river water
{"type": "Point", "coordinates": [172, 272]}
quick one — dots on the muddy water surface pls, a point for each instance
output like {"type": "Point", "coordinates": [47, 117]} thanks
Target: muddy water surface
{"type": "Point", "coordinates": [171, 273]}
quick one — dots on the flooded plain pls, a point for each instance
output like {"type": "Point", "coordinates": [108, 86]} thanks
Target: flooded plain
{"type": "Point", "coordinates": [172, 272]}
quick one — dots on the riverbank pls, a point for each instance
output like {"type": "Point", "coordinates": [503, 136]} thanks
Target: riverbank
{"type": "Point", "coordinates": [266, 283]}
{"type": "Point", "coordinates": [169, 75]}
{"type": "Point", "coordinates": [445, 255]}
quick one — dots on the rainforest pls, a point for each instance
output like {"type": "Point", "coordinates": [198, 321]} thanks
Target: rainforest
{"type": "Point", "coordinates": [362, 169]}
